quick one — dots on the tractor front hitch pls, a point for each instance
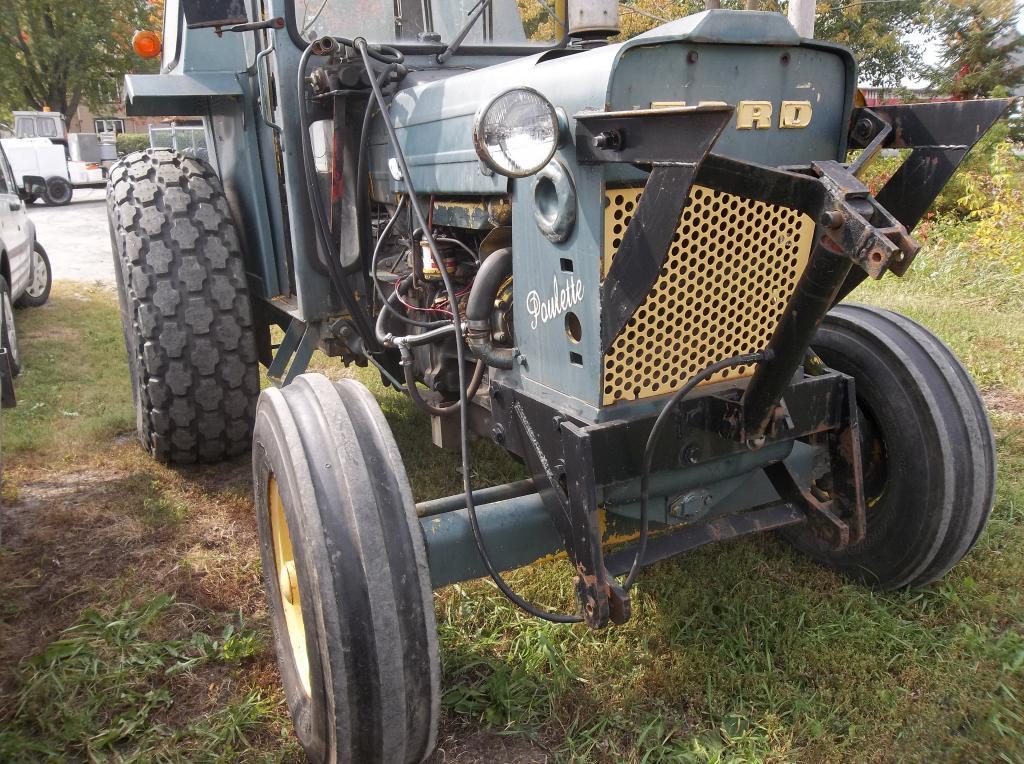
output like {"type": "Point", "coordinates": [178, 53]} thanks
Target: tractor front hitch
{"type": "Point", "coordinates": [580, 469]}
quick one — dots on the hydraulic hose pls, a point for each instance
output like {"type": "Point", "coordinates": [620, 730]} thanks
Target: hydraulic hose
{"type": "Point", "coordinates": [421, 221]}
{"type": "Point", "coordinates": [381, 327]}
{"type": "Point", "coordinates": [652, 441]}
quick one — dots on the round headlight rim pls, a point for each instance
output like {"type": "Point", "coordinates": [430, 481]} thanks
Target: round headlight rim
{"type": "Point", "coordinates": [481, 149]}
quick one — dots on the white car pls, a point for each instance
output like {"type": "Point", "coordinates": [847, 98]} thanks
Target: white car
{"type": "Point", "coordinates": [25, 276]}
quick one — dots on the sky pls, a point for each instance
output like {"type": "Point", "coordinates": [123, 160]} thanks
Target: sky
{"type": "Point", "coordinates": [931, 48]}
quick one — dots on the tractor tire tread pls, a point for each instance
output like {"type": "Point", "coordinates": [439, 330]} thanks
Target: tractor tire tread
{"type": "Point", "coordinates": [185, 286]}
{"type": "Point", "coordinates": [334, 454]}
{"type": "Point", "coordinates": [968, 429]}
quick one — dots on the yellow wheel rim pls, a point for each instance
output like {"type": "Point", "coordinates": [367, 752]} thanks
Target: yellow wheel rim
{"type": "Point", "coordinates": [288, 582]}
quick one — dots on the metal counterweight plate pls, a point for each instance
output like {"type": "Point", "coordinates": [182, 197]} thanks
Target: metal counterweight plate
{"type": "Point", "coordinates": [731, 269]}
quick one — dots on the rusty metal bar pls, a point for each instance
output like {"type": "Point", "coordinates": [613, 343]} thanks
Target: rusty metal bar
{"type": "Point", "coordinates": [690, 537]}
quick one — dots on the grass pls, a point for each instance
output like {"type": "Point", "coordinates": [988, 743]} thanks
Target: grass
{"type": "Point", "coordinates": [71, 394]}
{"type": "Point", "coordinates": [110, 680]}
{"type": "Point", "coordinates": [132, 625]}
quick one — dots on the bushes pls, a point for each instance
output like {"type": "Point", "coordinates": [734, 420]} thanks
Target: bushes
{"type": "Point", "coordinates": [974, 232]}
{"type": "Point", "coordinates": [129, 142]}
{"type": "Point", "coordinates": [987, 178]}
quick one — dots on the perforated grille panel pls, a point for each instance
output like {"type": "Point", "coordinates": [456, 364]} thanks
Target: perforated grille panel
{"type": "Point", "coordinates": [731, 269]}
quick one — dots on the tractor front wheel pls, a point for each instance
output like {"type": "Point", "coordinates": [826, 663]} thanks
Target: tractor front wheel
{"type": "Point", "coordinates": [927, 449]}
{"type": "Point", "coordinates": [346, 574]}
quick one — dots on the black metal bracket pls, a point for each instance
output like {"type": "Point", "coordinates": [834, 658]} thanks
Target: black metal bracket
{"type": "Point", "coordinates": [854, 228]}
{"type": "Point", "coordinates": [689, 537]}
{"type": "Point", "coordinates": [672, 142]}
{"type": "Point", "coordinates": [562, 465]}
{"type": "Point", "coordinates": [568, 460]}
{"type": "Point", "coordinates": [940, 135]}
{"type": "Point", "coordinates": [870, 131]}
{"type": "Point", "coordinates": [838, 517]}
{"type": "Point", "coordinates": [676, 145]}
{"type": "Point", "coordinates": [859, 226]}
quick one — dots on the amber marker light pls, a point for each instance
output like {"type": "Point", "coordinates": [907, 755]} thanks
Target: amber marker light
{"type": "Point", "coordinates": [146, 43]}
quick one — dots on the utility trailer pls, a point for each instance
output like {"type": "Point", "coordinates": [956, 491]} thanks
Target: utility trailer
{"type": "Point", "coordinates": [626, 263]}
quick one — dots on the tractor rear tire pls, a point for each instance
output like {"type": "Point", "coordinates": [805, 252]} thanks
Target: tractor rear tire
{"type": "Point", "coordinates": [928, 451]}
{"type": "Point", "coordinates": [350, 601]}
{"type": "Point", "coordinates": [57, 192]}
{"type": "Point", "coordinates": [185, 309]}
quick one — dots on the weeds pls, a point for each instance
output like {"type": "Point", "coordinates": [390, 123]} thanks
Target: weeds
{"type": "Point", "coordinates": [106, 685]}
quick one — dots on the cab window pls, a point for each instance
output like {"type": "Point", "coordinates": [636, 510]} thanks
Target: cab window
{"type": "Point", "coordinates": [25, 127]}
{"type": "Point", "coordinates": [519, 22]}
{"type": "Point", "coordinates": [46, 127]}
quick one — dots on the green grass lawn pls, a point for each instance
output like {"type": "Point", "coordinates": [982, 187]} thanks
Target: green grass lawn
{"type": "Point", "coordinates": [132, 624]}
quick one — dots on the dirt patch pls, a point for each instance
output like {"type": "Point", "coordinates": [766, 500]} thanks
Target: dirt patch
{"type": "Point", "coordinates": [467, 746]}
{"type": "Point", "coordinates": [98, 535]}
{"type": "Point", "coordinates": [1004, 401]}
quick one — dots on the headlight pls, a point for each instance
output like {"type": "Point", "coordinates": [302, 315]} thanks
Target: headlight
{"type": "Point", "coordinates": [516, 133]}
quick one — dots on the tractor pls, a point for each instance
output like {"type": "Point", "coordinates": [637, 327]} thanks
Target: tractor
{"type": "Point", "coordinates": [626, 263]}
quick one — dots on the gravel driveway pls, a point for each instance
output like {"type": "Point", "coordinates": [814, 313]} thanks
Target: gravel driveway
{"type": "Point", "coordinates": [76, 238]}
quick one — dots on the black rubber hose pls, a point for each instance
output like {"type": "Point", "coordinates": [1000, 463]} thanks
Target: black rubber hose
{"type": "Point", "coordinates": [451, 408]}
{"type": "Point", "coordinates": [652, 441]}
{"type": "Point", "coordinates": [494, 270]}
{"type": "Point", "coordinates": [465, 247]}
{"type": "Point", "coordinates": [421, 221]}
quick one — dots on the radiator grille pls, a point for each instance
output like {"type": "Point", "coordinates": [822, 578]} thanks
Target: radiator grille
{"type": "Point", "coordinates": [731, 269]}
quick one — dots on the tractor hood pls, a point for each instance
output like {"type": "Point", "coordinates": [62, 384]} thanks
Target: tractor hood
{"type": "Point", "coordinates": [792, 97]}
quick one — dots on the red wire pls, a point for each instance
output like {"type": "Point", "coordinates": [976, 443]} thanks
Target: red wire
{"type": "Point", "coordinates": [408, 306]}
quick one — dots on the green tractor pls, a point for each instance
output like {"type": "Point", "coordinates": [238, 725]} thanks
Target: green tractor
{"type": "Point", "coordinates": [624, 263]}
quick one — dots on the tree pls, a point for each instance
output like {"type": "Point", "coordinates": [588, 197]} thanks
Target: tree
{"type": "Point", "coordinates": [980, 42]}
{"type": "Point", "coordinates": [878, 32]}
{"type": "Point", "coordinates": [57, 54]}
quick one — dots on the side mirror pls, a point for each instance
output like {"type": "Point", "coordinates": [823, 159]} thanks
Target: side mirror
{"type": "Point", "coordinates": [32, 187]}
{"type": "Point", "coordinates": [214, 13]}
